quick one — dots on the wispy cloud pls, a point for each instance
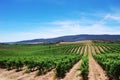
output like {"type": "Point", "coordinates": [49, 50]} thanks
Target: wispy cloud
{"type": "Point", "coordinates": [113, 17]}
{"type": "Point", "coordinates": [68, 27]}
{"type": "Point", "coordinates": [97, 28]}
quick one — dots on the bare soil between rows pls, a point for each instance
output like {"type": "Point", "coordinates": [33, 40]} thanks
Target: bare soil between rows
{"type": "Point", "coordinates": [95, 70]}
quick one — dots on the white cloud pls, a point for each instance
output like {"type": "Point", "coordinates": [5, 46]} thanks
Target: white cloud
{"type": "Point", "coordinates": [93, 29]}
{"type": "Point", "coordinates": [67, 27]}
{"type": "Point", "coordinates": [61, 30]}
{"type": "Point", "coordinates": [116, 18]}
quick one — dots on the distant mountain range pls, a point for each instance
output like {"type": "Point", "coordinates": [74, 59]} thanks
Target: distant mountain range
{"type": "Point", "coordinates": [71, 38]}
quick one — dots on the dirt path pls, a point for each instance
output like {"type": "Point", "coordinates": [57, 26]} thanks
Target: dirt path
{"type": "Point", "coordinates": [72, 50]}
{"type": "Point", "coordinates": [49, 76]}
{"type": "Point", "coordinates": [101, 49]}
{"type": "Point", "coordinates": [85, 50]}
{"type": "Point", "coordinates": [73, 74]}
{"type": "Point", "coordinates": [78, 51]}
{"type": "Point", "coordinates": [27, 76]}
{"type": "Point", "coordinates": [13, 75]}
{"type": "Point", "coordinates": [2, 70]}
{"type": "Point", "coordinates": [75, 50]}
{"type": "Point", "coordinates": [5, 73]}
{"type": "Point", "coordinates": [81, 51]}
{"type": "Point", "coordinates": [95, 70]}
{"type": "Point", "coordinates": [105, 49]}
{"type": "Point", "coordinates": [97, 50]}
{"type": "Point", "coordinates": [93, 50]}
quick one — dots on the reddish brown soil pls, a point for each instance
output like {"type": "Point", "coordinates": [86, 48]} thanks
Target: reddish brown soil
{"type": "Point", "coordinates": [97, 50]}
{"type": "Point", "coordinates": [85, 50]}
{"type": "Point", "coordinates": [75, 50]}
{"type": "Point", "coordinates": [73, 74]}
{"type": "Point", "coordinates": [82, 50]}
{"type": "Point", "coordinates": [95, 70]}
{"type": "Point", "coordinates": [104, 48]}
{"type": "Point", "coordinates": [93, 50]}
{"type": "Point", "coordinates": [101, 49]}
{"type": "Point", "coordinates": [72, 50]}
{"type": "Point", "coordinates": [78, 51]}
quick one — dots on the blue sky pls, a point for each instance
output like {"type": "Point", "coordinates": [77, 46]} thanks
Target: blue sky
{"type": "Point", "coordinates": [30, 19]}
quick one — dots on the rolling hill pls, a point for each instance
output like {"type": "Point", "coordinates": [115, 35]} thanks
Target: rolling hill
{"type": "Point", "coordinates": [72, 38]}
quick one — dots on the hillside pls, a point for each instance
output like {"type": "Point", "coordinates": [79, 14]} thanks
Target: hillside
{"type": "Point", "coordinates": [85, 60]}
{"type": "Point", "coordinates": [72, 38]}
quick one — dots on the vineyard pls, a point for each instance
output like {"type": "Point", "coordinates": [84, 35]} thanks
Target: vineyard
{"type": "Point", "coordinates": [86, 60]}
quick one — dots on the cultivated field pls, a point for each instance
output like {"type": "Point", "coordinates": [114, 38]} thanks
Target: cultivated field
{"type": "Point", "coordinates": [82, 60]}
